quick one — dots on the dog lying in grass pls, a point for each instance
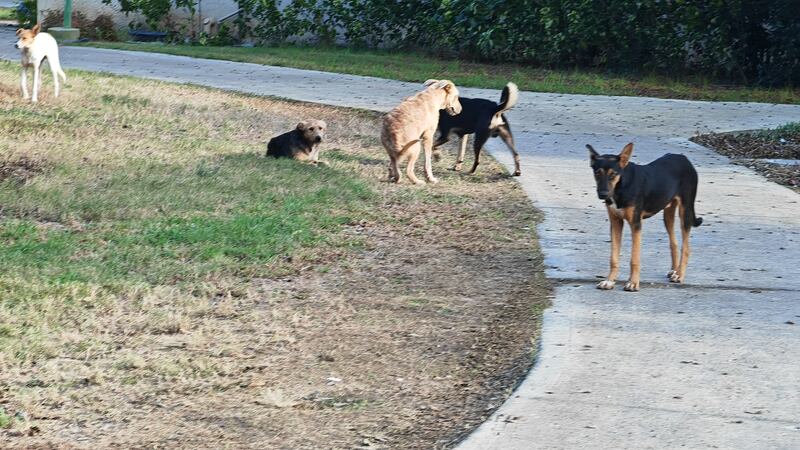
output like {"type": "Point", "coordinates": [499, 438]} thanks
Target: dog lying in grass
{"type": "Point", "coordinates": [302, 143]}
{"type": "Point", "coordinates": [35, 47]}
{"type": "Point", "coordinates": [415, 121]}
{"type": "Point", "coordinates": [483, 118]}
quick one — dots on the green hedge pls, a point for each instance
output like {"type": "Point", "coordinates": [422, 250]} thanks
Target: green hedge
{"type": "Point", "coordinates": [750, 41]}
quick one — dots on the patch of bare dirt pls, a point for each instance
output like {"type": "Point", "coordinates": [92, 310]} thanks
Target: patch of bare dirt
{"type": "Point", "coordinates": [20, 169]}
{"type": "Point", "coordinates": [753, 149]}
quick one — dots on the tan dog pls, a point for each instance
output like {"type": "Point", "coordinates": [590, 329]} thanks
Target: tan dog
{"type": "Point", "coordinates": [34, 48]}
{"type": "Point", "coordinates": [413, 121]}
{"type": "Point", "coordinates": [302, 143]}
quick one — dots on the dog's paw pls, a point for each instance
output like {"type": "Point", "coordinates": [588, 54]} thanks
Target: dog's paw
{"type": "Point", "coordinates": [632, 286]}
{"type": "Point", "coordinates": [606, 285]}
{"type": "Point", "coordinates": [457, 168]}
{"type": "Point", "coordinates": [433, 180]}
{"type": "Point", "coordinates": [675, 277]}
{"type": "Point", "coordinates": [517, 173]}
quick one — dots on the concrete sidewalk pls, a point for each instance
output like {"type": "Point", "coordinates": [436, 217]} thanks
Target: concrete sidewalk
{"type": "Point", "coordinates": [713, 363]}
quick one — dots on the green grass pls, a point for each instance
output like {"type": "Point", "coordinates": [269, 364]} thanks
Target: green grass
{"type": "Point", "coordinates": [789, 131]}
{"type": "Point", "coordinates": [132, 186]}
{"type": "Point", "coordinates": [418, 67]}
{"type": "Point", "coordinates": [7, 14]}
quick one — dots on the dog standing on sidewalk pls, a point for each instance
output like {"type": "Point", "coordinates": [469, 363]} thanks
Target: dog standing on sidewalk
{"type": "Point", "coordinates": [633, 193]}
{"type": "Point", "coordinates": [35, 47]}
{"type": "Point", "coordinates": [483, 118]}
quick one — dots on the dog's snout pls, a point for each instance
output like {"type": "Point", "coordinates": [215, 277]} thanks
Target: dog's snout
{"type": "Point", "coordinates": [16, 45]}
{"type": "Point", "coordinates": [318, 139]}
{"type": "Point", "coordinates": [602, 195]}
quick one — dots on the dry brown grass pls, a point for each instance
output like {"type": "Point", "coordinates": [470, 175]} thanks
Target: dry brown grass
{"type": "Point", "coordinates": [403, 328]}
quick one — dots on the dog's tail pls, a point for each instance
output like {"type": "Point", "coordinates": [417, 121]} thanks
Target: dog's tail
{"type": "Point", "coordinates": [690, 219]}
{"type": "Point", "coordinates": [408, 146]}
{"type": "Point", "coordinates": [508, 98]}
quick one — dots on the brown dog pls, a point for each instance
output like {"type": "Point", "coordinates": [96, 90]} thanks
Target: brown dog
{"type": "Point", "coordinates": [414, 121]}
{"type": "Point", "coordinates": [302, 143]}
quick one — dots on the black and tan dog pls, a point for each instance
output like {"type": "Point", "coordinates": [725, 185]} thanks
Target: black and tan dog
{"type": "Point", "coordinates": [302, 143]}
{"type": "Point", "coordinates": [632, 193]}
{"type": "Point", "coordinates": [483, 118]}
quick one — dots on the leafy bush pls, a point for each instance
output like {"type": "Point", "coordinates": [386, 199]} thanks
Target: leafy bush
{"type": "Point", "coordinates": [155, 12]}
{"type": "Point", "coordinates": [100, 28]}
{"type": "Point", "coordinates": [752, 41]}
{"type": "Point", "coordinates": [26, 13]}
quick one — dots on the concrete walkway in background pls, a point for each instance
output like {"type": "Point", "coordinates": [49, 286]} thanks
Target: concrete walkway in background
{"type": "Point", "coordinates": [713, 363]}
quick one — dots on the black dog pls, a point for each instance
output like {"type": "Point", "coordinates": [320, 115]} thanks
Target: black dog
{"type": "Point", "coordinates": [633, 192]}
{"type": "Point", "coordinates": [484, 119]}
{"type": "Point", "coordinates": [302, 143]}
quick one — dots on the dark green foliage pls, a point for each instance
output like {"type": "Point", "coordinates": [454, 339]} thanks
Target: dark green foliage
{"type": "Point", "coordinates": [156, 12]}
{"type": "Point", "coordinates": [26, 13]}
{"type": "Point", "coordinates": [752, 41]}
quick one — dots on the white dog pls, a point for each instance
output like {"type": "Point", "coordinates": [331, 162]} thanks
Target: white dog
{"type": "Point", "coordinates": [35, 48]}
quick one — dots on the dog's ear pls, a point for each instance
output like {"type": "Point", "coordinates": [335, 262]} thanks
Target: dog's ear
{"type": "Point", "coordinates": [430, 82]}
{"type": "Point", "coordinates": [447, 85]}
{"type": "Point", "coordinates": [592, 154]}
{"type": "Point", "coordinates": [36, 28]}
{"type": "Point", "coordinates": [625, 155]}
{"type": "Point", "coordinates": [302, 126]}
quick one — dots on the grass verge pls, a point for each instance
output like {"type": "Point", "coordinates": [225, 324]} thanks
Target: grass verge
{"type": "Point", "coordinates": [7, 14]}
{"type": "Point", "coordinates": [162, 284]}
{"type": "Point", "coordinates": [419, 67]}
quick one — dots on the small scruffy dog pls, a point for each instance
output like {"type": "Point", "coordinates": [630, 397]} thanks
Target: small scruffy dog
{"type": "Point", "coordinates": [302, 143]}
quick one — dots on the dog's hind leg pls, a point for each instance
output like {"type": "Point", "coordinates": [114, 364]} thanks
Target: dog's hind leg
{"type": "Point", "coordinates": [394, 170]}
{"type": "Point", "coordinates": [413, 154]}
{"type": "Point", "coordinates": [24, 82]}
{"type": "Point", "coordinates": [440, 141]}
{"type": "Point", "coordinates": [505, 134]}
{"type": "Point", "coordinates": [480, 138]}
{"type": "Point", "coordinates": [54, 69]}
{"type": "Point", "coordinates": [616, 245]}
{"type": "Point", "coordinates": [669, 223]}
{"type": "Point", "coordinates": [461, 152]}
{"type": "Point", "coordinates": [678, 277]}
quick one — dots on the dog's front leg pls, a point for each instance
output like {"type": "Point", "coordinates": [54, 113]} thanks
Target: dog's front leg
{"type": "Point", "coordinates": [315, 156]}
{"type": "Point", "coordinates": [636, 248]}
{"type": "Point", "coordinates": [36, 80]}
{"type": "Point", "coordinates": [616, 245]}
{"type": "Point", "coordinates": [24, 82]}
{"type": "Point", "coordinates": [427, 144]}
